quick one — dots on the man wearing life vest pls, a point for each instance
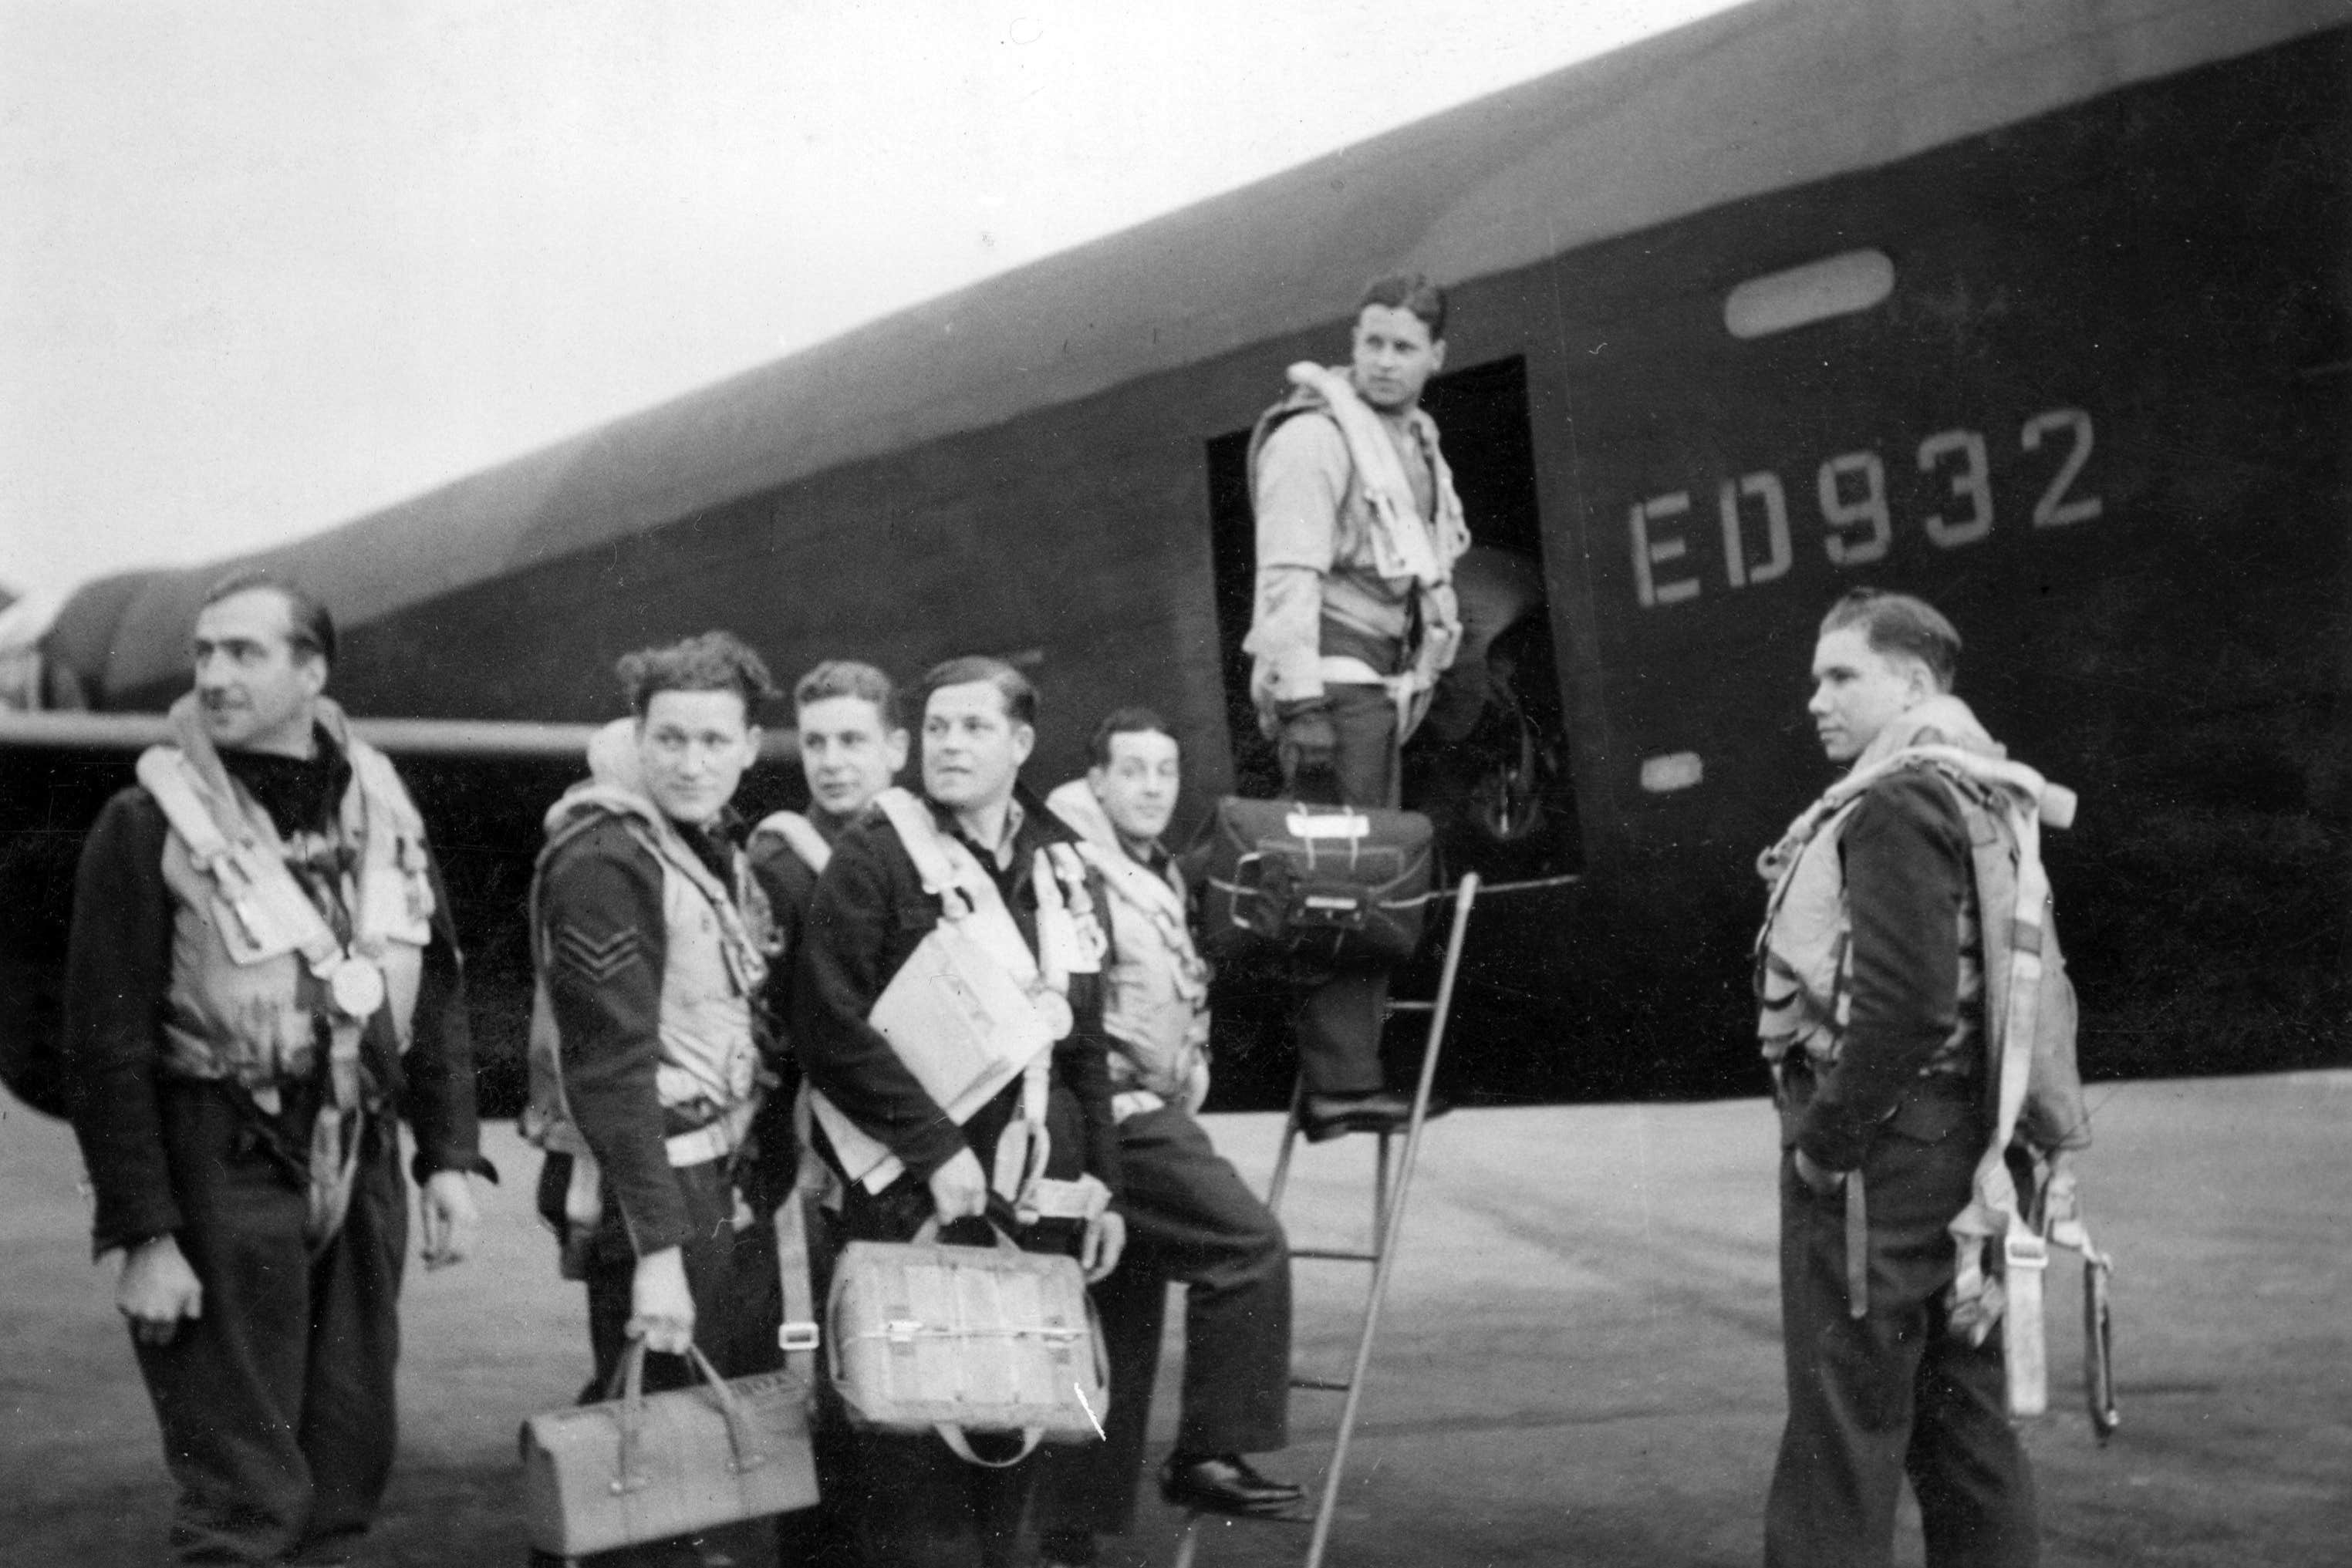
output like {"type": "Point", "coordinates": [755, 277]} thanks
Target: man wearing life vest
{"type": "Point", "coordinates": [1873, 982]}
{"type": "Point", "coordinates": [261, 975]}
{"type": "Point", "coordinates": [1191, 1218]}
{"type": "Point", "coordinates": [1029, 1140]}
{"type": "Point", "coordinates": [649, 932]}
{"type": "Point", "coordinates": [853, 742]}
{"type": "Point", "coordinates": [1355, 620]}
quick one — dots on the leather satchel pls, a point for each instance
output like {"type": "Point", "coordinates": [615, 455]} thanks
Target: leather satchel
{"type": "Point", "coordinates": [1334, 883]}
{"type": "Point", "coordinates": [648, 1466]}
{"type": "Point", "coordinates": [929, 1338]}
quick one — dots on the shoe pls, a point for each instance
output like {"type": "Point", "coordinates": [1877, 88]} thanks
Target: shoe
{"type": "Point", "coordinates": [1324, 1116]}
{"type": "Point", "coordinates": [1224, 1484]}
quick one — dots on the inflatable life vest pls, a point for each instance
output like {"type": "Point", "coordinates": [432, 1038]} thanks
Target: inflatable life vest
{"type": "Point", "coordinates": [1382, 521]}
{"type": "Point", "coordinates": [711, 970]}
{"type": "Point", "coordinates": [256, 967]}
{"type": "Point", "coordinates": [2002, 1239]}
{"type": "Point", "coordinates": [1156, 1006]}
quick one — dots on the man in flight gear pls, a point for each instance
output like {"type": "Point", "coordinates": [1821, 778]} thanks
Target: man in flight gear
{"type": "Point", "coordinates": [1189, 1216]}
{"type": "Point", "coordinates": [261, 975]}
{"type": "Point", "coordinates": [1882, 1070]}
{"type": "Point", "coordinates": [853, 742]}
{"type": "Point", "coordinates": [1355, 620]}
{"type": "Point", "coordinates": [902, 1157]}
{"type": "Point", "coordinates": [648, 932]}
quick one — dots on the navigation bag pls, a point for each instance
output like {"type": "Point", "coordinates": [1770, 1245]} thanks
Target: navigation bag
{"type": "Point", "coordinates": [1339, 884]}
{"type": "Point", "coordinates": [924, 1337]}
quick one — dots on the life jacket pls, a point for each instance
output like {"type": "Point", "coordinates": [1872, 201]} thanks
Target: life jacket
{"type": "Point", "coordinates": [1381, 534]}
{"type": "Point", "coordinates": [2029, 1013]}
{"type": "Point", "coordinates": [256, 967]}
{"type": "Point", "coordinates": [1156, 1009]}
{"type": "Point", "coordinates": [973, 1010]}
{"type": "Point", "coordinates": [712, 966]}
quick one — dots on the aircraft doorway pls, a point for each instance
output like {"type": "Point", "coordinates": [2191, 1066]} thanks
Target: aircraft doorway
{"type": "Point", "coordinates": [1491, 765]}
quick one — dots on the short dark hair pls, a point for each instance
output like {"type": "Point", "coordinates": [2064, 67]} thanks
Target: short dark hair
{"type": "Point", "coordinates": [309, 628]}
{"type": "Point", "coordinates": [714, 661]}
{"type": "Point", "coordinates": [1126, 721]}
{"type": "Point", "coordinates": [1410, 291]}
{"type": "Point", "coordinates": [1900, 623]}
{"type": "Point", "coordinates": [848, 678]}
{"type": "Point", "coordinates": [1020, 696]}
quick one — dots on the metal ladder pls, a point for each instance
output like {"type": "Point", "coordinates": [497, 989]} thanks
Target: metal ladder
{"type": "Point", "coordinates": [1388, 1226]}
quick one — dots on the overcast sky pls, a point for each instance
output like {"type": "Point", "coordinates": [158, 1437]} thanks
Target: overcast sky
{"type": "Point", "coordinates": [269, 265]}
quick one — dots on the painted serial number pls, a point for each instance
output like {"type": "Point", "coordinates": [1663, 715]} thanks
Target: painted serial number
{"type": "Point", "coordinates": [1857, 523]}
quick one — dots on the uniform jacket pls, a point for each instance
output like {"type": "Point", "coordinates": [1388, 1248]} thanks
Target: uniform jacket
{"type": "Point", "coordinates": [1912, 980]}
{"type": "Point", "coordinates": [869, 914]}
{"type": "Point", "coordinates": [657, 1019]}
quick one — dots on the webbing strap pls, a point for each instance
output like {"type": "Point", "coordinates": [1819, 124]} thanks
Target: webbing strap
{"type": "Point", "coordinates": [800, 833]}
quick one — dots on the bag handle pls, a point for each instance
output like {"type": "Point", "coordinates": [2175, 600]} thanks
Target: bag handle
{"type": "Point", "coordinates": [630, 1415]}
{"type": "Point", "coordinates": [959, 1446]}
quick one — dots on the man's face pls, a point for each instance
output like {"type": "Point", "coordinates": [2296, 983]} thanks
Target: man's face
{"type": "Point", "coordinates": [1138, 786]}
{"type": "Point", "coordinates": [693, 747]}
{"type": "Point", "coordinates": [254, 689]}
{"type": "Point", "coordinates": [1395, 358]}
{"type": "Point", "coordinates": [1858, 690]}
{"type": "Point", "coordinates": [848, 755]}
{"type": "Point", "coordinates": [972, 750]}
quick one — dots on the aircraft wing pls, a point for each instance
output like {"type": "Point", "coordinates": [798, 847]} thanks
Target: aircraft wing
{"type": "Point", "coordinates": [486, 740]}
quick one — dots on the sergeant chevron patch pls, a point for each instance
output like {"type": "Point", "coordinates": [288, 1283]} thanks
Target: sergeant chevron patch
{"type": "Point", "coordinates": [597, 960]}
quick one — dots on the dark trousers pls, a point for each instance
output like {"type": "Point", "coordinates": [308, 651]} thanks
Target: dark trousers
{"type": "Point", "coordinates": [1190, 1220]}
{"type": "Point", "coordinates": [732, 1275]}
{"type": "Point", "coordinates": [276, 1404]}
{"type": "Point", "coordinates": [1340, 1020]}
{"type": "Point", "coordinates": [1893, 1393]}
{"type": "Point", "coordinates": [910, 1501]}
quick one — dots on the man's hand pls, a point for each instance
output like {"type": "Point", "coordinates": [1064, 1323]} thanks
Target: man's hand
{"type": "Point", "coordinates": [1106, 1239]}
{"type": "Point", "coordinates": [447, 1207]}
{"type": "Point", "coordinates": [661, 1307]}
{"type": "Point", "coordinates": [157, 1289]}
{"type": "Point", "coordinates": [959, 1189]}
{"type": "Point", "coordinates": [1822, 1181]}
{"type": "Point", "coordinates": [1310, 741]}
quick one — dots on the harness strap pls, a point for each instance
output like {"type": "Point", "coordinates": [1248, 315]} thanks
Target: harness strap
{"type": "Point", "coordinates": [971, 905]}
{"type": "Point", "coordinates": [1410, 692]}
{"type": "Point", "coordinates": [800, 833]}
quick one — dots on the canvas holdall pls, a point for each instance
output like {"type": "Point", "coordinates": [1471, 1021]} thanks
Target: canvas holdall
{"type": "Point", "coordinates": [925, 1337]}
{"type": "Point", "coordinates": [646, 1467]}
{"type": "Point", "coordinates": [1337, 883]}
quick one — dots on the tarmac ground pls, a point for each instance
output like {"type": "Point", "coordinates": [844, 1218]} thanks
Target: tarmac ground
{"type": "Point", "coordinates": [1578, 1361]}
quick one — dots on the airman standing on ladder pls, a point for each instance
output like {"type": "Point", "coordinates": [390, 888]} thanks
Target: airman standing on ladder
{"type": "Point", "coordinates": [1355, 620]}
{"type": "Point", "coordinates": [1884, 1001]}
{"type": "Point", "coordinates": [1191, 1218]}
